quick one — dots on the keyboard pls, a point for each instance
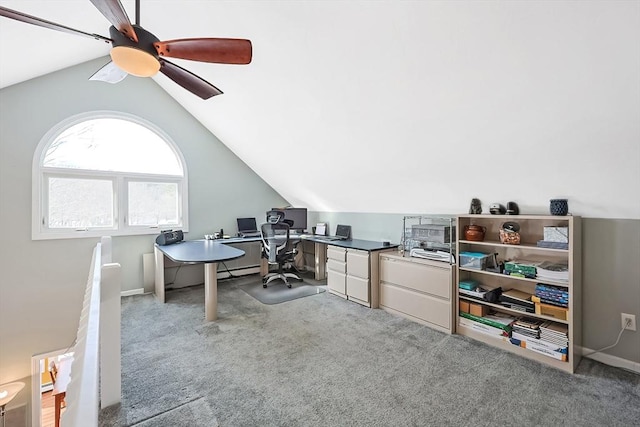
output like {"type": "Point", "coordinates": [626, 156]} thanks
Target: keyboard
{"type": "Point", "coordinates": [251, 234]}
{"type": "Point", "coordinates": [330, 238]}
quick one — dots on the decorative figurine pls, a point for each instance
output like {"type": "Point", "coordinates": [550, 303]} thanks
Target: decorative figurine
{"type": "Point", "coordinates": [475, 207]}
{"type": "Point", "coordinates": [497, 209]}
{"type": "Point", "coordinates": [512, 208]}
{"type": "Point", "coordinates": [559, 207]}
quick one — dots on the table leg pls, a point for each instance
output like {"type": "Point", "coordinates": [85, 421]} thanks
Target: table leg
{"type": "Point", "coordinates": [159, 279]}
{"type": "Point", "coordinates": [58, 403]}
{"type": "Point", "coordinates": [264, 267]}
{"type": "Point", "coordinates": [320, 269]}
{"type": "Point", "coordinates": [211, 291]}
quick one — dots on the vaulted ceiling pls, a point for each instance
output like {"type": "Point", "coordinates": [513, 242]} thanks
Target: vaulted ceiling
{"type": "Point", "coordinates": [389, 106]}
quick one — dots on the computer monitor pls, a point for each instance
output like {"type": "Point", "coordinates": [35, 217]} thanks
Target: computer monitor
{"type": "Point", "coordinates": [246, 225]}
{"type": "Point", "coordinates": [297, 215]}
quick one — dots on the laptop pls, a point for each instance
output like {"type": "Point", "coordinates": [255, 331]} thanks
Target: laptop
{"type": "Point", "coordinates": [247, 227]}
{"type": "Point", "coordinates": [343, 232]}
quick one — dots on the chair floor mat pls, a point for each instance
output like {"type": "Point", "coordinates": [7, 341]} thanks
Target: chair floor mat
{"type": "Point", "coordinates": [277, 292]}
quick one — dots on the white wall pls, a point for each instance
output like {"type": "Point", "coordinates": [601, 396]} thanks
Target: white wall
{"type": "Point", "coordinates": [43, 281]}
{"type": "Point", "coordinates": [431, 103]}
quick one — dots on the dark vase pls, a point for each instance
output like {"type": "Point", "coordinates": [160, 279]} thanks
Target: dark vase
{"type": "Point", "coordinates": [558, 207]}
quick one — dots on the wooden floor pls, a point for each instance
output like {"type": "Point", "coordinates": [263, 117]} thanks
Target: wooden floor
{"type": "Point", "coordinates": [48, 410]}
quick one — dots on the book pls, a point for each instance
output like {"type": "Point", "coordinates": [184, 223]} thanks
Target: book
{"type": "Point", "coordinates": [541, 342]}
{"type": "Point", "coordinates": [496, 321]}
{"type": "Point", "coordinates": [552, 245]}
{"type": "Point", "coordinates": [555, 267]}
{"type": "Point", "coordinates": [554, 327]}
{"type": "Point", "coordinates": [517, 300]}
{"type": "Point", "coordinates": [557, 294]}
{"type": "Point", "coordinates": [546, 351]}
{"type": "Point", "coordinates": [521, 268]}
{"type": "Point", "coordinates": [553, 271]}
{"type": "Point", "coordinates": [483, 328]}
{"type": "Point", "coordinates": [528, 323]}
{"type": "Point", "coordinates": [551, 288]}
{"type": "Point", "coordinates": [518, 307]}
{"type": "Point", "coordinates": [516, 295]}
{"type": "Point", "coordinates": [564, 304]}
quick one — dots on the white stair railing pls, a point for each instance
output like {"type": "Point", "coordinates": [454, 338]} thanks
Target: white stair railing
{"type": "Point", "coordinates": [95, 371]}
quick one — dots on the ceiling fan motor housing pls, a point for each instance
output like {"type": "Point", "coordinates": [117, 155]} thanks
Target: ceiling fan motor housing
{"type": "Point", "coordinates": [137, 58]}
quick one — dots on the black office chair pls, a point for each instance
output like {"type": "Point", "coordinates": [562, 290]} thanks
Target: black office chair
{"type": "Point", "coordinates": [275, 216]}
{"type": "Point", "coordinates": [277, 248]}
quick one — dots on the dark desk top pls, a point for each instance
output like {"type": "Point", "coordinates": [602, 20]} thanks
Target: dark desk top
{"type": "Point", "coordinates": [365, 245]}
{"type": "Point", "coordinates": [200, 251]}
{"type": "Point", "coordinates": [239, 240]}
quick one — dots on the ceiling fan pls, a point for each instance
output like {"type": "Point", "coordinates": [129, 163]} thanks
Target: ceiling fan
{"type": "Point", "coordinates": [138, 52]}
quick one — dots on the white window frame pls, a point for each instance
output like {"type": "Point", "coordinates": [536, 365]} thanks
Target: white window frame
{"type": "Point", "coordinates": [40, 174]}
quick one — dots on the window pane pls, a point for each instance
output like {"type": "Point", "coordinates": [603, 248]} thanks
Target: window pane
{"type": "Point", "coordinates": [109, 144]}
{"type": "Point", "coordinates": [153, 203]}
{"type": "Point", "coordinates": [80, 203]}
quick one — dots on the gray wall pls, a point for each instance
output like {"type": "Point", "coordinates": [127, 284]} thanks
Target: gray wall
{"type": "Point", "coordinates": [610, 272]}
{"type": "Point", "coordinates": [43, 281]}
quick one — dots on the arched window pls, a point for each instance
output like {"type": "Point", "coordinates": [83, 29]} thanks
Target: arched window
{"type": "Point", "coordinates": [107, 173]}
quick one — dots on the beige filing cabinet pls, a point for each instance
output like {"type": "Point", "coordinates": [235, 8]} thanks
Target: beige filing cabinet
{"type": "Point", "coordinates": [353, 274]}
{"type": "Point", "coordinates": [418, 289]}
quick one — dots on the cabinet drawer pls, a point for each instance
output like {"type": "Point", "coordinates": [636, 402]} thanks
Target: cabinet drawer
{"type": "Point", "coordinates": [358, 263]}
{"type": "Point", "coordinates": [420, 277]}
{"type": "Point", "coordinates": [339, 254]}
{"type": "Point", "coordinates": [336, 281]}
{"type": "Point", "coordinates": [416, 304]}
{"type": "Point", "coordinates": [337, 266]}
{"type": "Point", "coordinates": [358, 288]}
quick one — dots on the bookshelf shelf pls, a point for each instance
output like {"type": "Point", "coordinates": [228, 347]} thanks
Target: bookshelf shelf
{"type": "Point", "coordinates": [527, 247]}
{"type": "Point", "coordinates": [504, 344]}
{"type": "Point", "coordinates": [499, 276]}
{"type": "Point", "coordinates": [515, 312]}
{"type": "Point", "coordinates": [531, 230]}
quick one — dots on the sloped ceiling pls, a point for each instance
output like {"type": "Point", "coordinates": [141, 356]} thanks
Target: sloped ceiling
{"type": "Point", "coordinates": [389, 106]}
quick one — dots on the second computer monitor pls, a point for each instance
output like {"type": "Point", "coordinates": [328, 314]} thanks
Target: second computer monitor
{"type": "Point", "coordinates": [297, 215]}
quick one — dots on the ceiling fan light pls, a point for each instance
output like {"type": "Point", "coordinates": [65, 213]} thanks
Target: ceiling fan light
{"type": "Point", "coordinates": [134, 61]}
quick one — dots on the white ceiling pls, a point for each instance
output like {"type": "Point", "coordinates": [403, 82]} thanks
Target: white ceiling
{"type": "Point", "coordinates": [426, 104]}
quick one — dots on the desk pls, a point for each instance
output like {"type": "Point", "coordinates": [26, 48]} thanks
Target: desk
{"type": "Point", "coordinates": [60, 386]}
{"type": "Point", "coordinates": [210, 252]}
{"type": "Point", "coordinates": [319, 264]}
{"type": "Point", "coordinates": [207, 252]}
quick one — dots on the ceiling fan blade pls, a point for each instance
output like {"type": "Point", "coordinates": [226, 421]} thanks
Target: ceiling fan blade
{"type": "Point", "coordinates": [23, 17]}
{"type": "Point", "coordinates": [188, 80]}
{"type": "Point", "coordinates": [110, 73]}
{"type": "Point", "coordinates": [115, 13]}
{"type": "Point", "coordinates": [221, 51]}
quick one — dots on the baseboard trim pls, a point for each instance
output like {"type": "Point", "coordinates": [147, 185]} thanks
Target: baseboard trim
{"type": "Point", "coordinates": [614, 361]}
{"type": "Point", "coordinates": [130, 292]}
{"type": "Point", "coordinates": [239, 272]}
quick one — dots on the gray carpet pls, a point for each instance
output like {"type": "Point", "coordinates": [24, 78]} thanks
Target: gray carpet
{"type": "Point", "coordinates": [190, 414]}
{"type": "Point", "coordinates": [325, 361]}
{"type": "Point", "coordinates": [277, 292]}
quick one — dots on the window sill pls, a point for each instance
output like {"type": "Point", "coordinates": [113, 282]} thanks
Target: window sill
{"type": "Point", "coordinates": [97, 233]}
